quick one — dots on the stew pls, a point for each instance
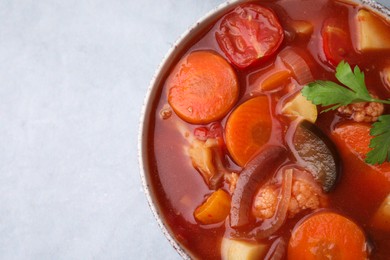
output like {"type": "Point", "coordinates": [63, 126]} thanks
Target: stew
{"type": "Point", "coordinates": [271, 137]}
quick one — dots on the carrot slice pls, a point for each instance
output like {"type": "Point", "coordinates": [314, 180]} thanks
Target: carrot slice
{"type": "Point", "coordinates": [248, 128]}
{"type": "Point", "coordinates": [356, 137]}
{"type": "Point", "coordinates": [327, 235]}
{"type": "Point", "coordinates": [275, 79]}
{"type": "Point", "coordinates": [203, 87]}
{"type": "Point", "coordinates": [359, 178]}
{"type": "Point", "coordinates": [215, 209]}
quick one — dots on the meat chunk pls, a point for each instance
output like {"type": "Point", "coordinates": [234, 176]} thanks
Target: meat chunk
{"type": "Point", "coordinates": [306, 194]}
{"type": "Point", "coordinates": [363, 111]}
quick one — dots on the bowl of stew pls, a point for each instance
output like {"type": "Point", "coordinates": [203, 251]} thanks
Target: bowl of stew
{"type": "Point", "coordinates": [266, 133]}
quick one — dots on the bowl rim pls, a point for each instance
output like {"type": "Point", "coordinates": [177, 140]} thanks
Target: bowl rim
{"type": "Point", "coordinates": [146, 110]}
{"type": "Point", "coordinates": [153, 88]}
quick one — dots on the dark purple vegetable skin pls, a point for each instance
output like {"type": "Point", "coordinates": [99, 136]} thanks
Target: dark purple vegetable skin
{"type": "Point", "coordinates": [255, 172]}
{"type": "Point", "coordinates": [317, 153]}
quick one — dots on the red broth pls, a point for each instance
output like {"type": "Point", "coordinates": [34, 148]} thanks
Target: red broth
{"type": "Point", "coordinates": [179, 188]}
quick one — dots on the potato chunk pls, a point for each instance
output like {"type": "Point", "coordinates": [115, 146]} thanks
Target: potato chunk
{"type": "Point", "coordinates": [299, 106]}
{"type": "Point", "coordinates": [235, 249]}
{"type": "Point", "coordinates": [215, 209]}
{"type": "Point", "coordinates": [302, 28]}
{"type": "Point", "coordinates": [372, 32]}
{"type": "Point", "coordinates": [381, 218]}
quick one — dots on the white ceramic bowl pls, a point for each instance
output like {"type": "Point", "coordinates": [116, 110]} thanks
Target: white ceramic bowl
{"type": "Point", "coordinates": [153, 90]}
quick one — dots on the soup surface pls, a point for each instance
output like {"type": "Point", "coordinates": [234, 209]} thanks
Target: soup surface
{"type": "Point", "coordinates": [248, 162]}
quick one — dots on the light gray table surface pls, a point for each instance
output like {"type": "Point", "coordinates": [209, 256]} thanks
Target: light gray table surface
{"type": "Point", "coordinates": [74, 75]}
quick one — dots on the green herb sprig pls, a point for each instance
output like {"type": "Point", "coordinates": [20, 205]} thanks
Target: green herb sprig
{"type": "Point", "coordinates": [381, 141]}
{"type": "Point", "coordinates": [333, 95]}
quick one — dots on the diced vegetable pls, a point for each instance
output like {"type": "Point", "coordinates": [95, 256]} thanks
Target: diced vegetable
{"type": "Point", "coordinates": [327, 235]}
{"type": "Point", "coordinates": [307, 194]}
{"type": "Point", "coordinates": [294, 61]}
{"type": "Point", "coordinates": [300, 107]}
{"type": "Point", "coordinates": [240, 250]}
{"type": "Point", "coordinates": [252, 176]}
{"type": "Point", "coordinates": [205, 150]}
{"type": "Point", "coordinates": [302, 28]}
{"type": "Point", "coordinates": [317, 153]}
{"type": "Point", "coordinates": [248, 34]}
{"type": "Point", "coordinates": [352, 141]}
{"type": "Point", "coordinates": [298, 192]}
{"type": "Point", "coordinates": [373, 32]}
{"type": "Point", "coordinates": [248, 128]}
{"type": "Point", "coordinates": [202, 156]}
{"type": "Point", "coordinates": [381, 219]}
{"type": "Point", "coordinates": [281, 212]}
{"type": "Point", "coordinates": [215, 209]}
{"type": "Point", "coordinates": [356, 137]}
{"type": "Point", "coordinates": [202, 87]}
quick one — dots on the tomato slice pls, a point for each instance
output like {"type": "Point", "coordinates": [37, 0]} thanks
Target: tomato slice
{"type": "Point", "coordinates": [337, 43]}
{"type": "Point", "coordinates": [248, 34]}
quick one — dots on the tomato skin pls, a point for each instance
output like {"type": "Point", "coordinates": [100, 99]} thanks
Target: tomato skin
{"type": "Point", "coordinates": [248, 34]}
{"type": "Point", "coordinates": [337, 44]}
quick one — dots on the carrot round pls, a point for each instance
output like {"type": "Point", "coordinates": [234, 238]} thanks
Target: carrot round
{"type": "Point", "coordinates": [248, 128]}
{"type": "Point", "coordinates": [203, 87]}
{"type": "Point", "coordinates": [356, 138]}
{"type": "Point", "coordinates": [327, 235]}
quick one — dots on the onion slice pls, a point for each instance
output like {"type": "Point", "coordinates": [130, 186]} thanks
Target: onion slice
{"type": "Point", "coordinates": [297, 64]}
{"type": "Point", "coordinates": [252, 176]}
{"type": "Point", "coordinates": [278, 250]}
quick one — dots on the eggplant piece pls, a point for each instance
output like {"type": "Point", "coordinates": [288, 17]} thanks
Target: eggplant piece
{"type": "Point", "coordinates": [255, 172]}
{"type": "Point", "coordinates": [317, 153]}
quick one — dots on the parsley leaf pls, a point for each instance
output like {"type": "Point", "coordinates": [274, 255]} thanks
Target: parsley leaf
{"type": "Point", "coordinates": [354, 80]}
{"type": "Point", "coordinates": [381, 142]}
{"type": "Point", "coordinates": [328, 93]}
{"type": "Point", "coordinates": [333, 96]}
